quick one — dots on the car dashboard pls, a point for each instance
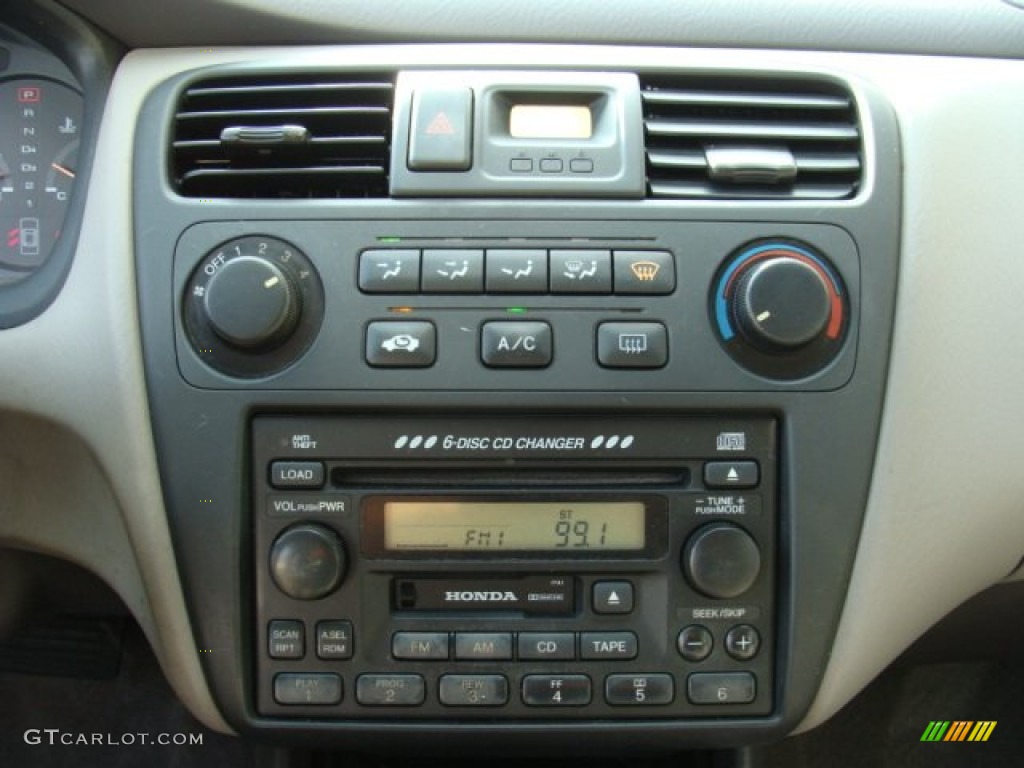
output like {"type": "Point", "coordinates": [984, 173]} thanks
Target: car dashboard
{"type": "Point", "coordinates": [420, 383]}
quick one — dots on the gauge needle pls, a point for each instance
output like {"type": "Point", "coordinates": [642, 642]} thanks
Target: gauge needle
{"type": "Point", "coordinates": [61, 169]}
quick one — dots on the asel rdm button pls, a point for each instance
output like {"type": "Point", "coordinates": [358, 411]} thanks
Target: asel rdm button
{"type": "Point", "coordinates": [518, 344]}
{"type": "Point", "coordinates": [390, 690]}
{"type": "Point", "coordinates": [334, 639]}
{"type": "Point", "coordinates": [307, 688]}
{"type": "Point", "coordinates": [473, 690]}
{"type": "Point", "coordinates": [297, 474]}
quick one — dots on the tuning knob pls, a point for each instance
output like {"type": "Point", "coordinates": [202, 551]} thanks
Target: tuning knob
{"type": "Point", "coordinates": [307, 561]}
{"type": "Point", "coordinates": [252, 303]}
{"type": "Point", "coordinates": [721, 560]}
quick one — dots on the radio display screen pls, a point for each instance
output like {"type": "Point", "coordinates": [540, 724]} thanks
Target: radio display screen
{"type": "Point", "coordinates": [527, 526]}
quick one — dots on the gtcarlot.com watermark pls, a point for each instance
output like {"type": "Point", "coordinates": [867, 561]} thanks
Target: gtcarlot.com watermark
{"type": "Point", "coordinates": [55, 737]}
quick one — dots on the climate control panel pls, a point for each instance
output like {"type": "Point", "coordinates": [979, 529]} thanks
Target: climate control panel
{"type": "Point", "coordinates": [669, 306]}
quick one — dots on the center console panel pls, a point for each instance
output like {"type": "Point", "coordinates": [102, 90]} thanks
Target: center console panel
{"type": "Point", "coordinates": [484, 416]}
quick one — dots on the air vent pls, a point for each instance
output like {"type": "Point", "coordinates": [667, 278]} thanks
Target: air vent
{"type": "Point", "coordinates": [279, 137]}
{"type": "Point", "coordinates": [750, 138]}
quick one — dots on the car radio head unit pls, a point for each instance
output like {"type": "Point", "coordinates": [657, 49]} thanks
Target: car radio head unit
{"type": "Point", "coordinates": [401, 572]}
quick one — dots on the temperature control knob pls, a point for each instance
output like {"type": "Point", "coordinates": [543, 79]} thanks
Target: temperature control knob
{"type": "Point", "coordinates": [781, 303]}
{"type": "Point", "coordinates": [252, 303]}
{"type": "Point", "coordinates": [307, 561]}
{"type": "Point", "coordinates": [252, 306]}
{"type": "Point", "coordinates": [721, 560]}
{"type": "Point", "coordinates": [780, 309]}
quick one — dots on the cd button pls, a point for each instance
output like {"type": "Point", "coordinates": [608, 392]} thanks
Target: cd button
{"type": "Point", "coordinates": [542, 646]}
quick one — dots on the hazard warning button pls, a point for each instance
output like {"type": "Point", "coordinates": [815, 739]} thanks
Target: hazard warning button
{"type": "Point", "coordinates": [442, 130]}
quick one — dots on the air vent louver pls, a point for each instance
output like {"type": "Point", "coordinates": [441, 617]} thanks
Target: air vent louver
{"type": "Point", "coordinates": [748, 138]}
{"type": "Point", "coordinates": [284, 136]}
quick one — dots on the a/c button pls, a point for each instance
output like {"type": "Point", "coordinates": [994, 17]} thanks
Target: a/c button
{"type": "Point", "coordinates": [520, 344]}
{"type": "Point", "coordinates": [547, 645]}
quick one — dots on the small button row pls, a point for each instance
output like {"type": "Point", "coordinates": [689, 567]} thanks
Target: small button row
{"type": "Point", "coordinates": [515, 344]}
{"type": "Point", "coordinates": [695, 642]}
{"type": "Point", "coordinates": [286, 639]}
{"type": "Point", "coordinates": [516, 271]}
{"type": "Point", "coordinates": [491, 690]}
{"type": "Point", "coordinates": [498, 646]}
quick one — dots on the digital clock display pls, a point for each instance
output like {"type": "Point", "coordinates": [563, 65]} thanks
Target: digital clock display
{"type": "Point", "coordinates": [550, 121]}
{"type": "Point", "coordinates": [479, 526]}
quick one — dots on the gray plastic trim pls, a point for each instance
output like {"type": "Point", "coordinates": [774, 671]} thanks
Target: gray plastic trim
{"type": "Point", "coordinates": [955, 27]}
{"type": "Point", "coordinates": [931, 538]}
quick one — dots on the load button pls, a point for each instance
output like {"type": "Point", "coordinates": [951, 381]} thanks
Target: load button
{"type": "Point", "coordinates": [297, 474]}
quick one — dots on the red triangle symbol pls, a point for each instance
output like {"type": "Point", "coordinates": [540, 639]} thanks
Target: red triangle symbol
{"type": "Point", "coordinates": [440, 125]}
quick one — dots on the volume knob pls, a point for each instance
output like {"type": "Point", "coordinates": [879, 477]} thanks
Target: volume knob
{"type": "Point", "coordinates": [251, 303]}
{"type": "Point", "coordinates": [307, 561]}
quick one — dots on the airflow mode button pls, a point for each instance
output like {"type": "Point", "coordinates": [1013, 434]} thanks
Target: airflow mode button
{"type": "Point", "coordinates": [644, 272]}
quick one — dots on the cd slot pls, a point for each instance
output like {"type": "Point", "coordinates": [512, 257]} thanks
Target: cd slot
{"type": "Point", "coordinates": [349, 476]}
